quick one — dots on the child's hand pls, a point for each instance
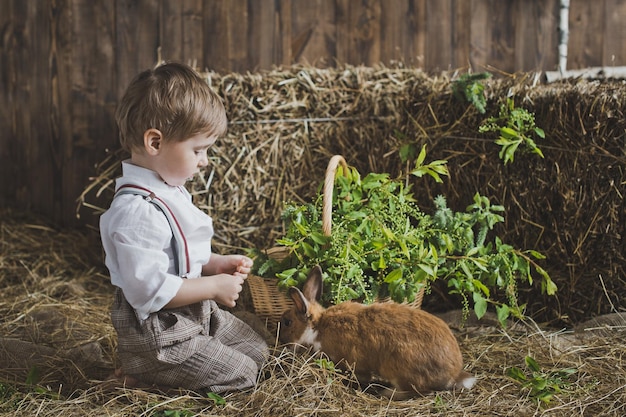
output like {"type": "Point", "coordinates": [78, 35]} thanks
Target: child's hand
{"type": "Point", "coordinates": [227, 288]}
{"type": "Point", "coordinates": [245, 265]}
{"type": "Point", "coordinates": [227, 274]}
{"type": "Point", "coordinates": [228, 264]}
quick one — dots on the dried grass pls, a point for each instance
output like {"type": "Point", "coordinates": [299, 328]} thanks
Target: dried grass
{"type": "Point", "coordinates": [61, 273]}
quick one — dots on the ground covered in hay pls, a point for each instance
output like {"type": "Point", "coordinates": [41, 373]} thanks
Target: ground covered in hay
{"type": "Point", "coordinates": [57, 348]}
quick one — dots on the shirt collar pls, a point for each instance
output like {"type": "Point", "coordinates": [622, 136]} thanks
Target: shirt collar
{"type": "Point", "coordinates": [134, 174]}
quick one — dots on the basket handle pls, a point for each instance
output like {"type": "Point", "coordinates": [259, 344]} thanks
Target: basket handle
{"type": "Point", "coordinates": [329, 183]}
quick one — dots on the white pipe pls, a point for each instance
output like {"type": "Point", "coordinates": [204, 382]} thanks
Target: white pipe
{"type": "Point", "coordinates": [564, 35]}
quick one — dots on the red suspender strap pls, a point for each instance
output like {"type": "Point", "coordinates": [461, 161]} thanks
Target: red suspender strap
{"type": "Point", "coordinates": [181, 250]}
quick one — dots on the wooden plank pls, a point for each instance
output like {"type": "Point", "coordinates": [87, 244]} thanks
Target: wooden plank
{"type": "Point", "coordinates": [137, 40]}
{"type": "Point", "coordinates": [366, 22]}
{"type": "Point", "coordinates": [192, 30]}
{"type": "Point", "coordinates": [394, 40]}
{"type": "Point", "coordinates": [27, 155]}
{"type": "Point", "coordinates": [283, 32]}
{"type": "Point", "coordinates": [11, 23]}
{"type": "Point", "coordinates": [216, 36]}
{"type": "Point", "coordinates": [358, 32]}
{"type": "Point", "coordinates": [61, 69]}
{"type": "Point", "coordinates": [81, 82]}
{"type": "Point", "coordinates": [536, 35]}
{"type": "Point", "coordinates": [8, 140]}
{"type": "Point", "coordinates": [614, 45]}
{"type": "Point", "coordinates": [439, 35]}
{"type": "Point", "coordinates": [418, 30]}
{"type": "Point", "coordinates": [313, 37]}
{"type": "Point", "coordinates": [170, 30]}
{"type": "Point", "coordinates": [461, 34]}
{"type": "Point", "coordinates": [343, 39]}
{"type": "Point", "coordinates": [237, 27]}
{"type": "Point", "coordinates": [93, 98]}
{"type": "Point", "coordinates": [502, 24]}
{"type": "Point", "coordinates": [262, 36]}
{"type": "Point", "coordinates": [586, 34]}
{"type": "Point", "coordinates": [480, 34]}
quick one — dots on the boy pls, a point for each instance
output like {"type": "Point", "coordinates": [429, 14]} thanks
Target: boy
{"type": "Point", "coordinates": [170, 329]}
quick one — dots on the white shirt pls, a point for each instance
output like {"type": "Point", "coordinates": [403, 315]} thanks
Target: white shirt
{"type": "Point", "coordinates": [137, 240]}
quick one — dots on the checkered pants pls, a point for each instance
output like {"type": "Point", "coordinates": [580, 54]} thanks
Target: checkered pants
{"type": "Point", "coordinates": [196, 347]}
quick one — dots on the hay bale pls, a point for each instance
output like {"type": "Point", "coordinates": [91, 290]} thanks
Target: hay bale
{"type": "Point", "coordinates": [285, 124]}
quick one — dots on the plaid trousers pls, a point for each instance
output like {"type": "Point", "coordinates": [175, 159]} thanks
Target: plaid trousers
{"type": "Point", "coordinates": [195, 347]}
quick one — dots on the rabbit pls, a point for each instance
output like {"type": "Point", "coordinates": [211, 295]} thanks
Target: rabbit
{"type": "Point", "coordinates": [409, 348]}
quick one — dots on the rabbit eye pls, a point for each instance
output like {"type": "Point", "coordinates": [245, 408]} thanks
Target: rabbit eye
{"type": "Point", "coordinates": [286, 322]}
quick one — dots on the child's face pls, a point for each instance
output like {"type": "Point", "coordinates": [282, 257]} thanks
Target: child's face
{"type": "Point", "coordinates": [178, 162]}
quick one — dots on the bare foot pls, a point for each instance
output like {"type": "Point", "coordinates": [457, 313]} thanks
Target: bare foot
{"type": "Point", "coordinates": [127, 380]}
{"type": "Point", "coordinates": [118, 379]}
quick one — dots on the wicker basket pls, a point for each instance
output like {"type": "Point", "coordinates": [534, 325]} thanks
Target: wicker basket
{"type": "Point", "coordinates": [268, 301]}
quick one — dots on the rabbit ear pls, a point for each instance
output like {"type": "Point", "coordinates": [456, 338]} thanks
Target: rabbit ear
{"type": "Point", "coordinates": [313, 286]}
{"type": "Point", "coordinates": [300, 302]}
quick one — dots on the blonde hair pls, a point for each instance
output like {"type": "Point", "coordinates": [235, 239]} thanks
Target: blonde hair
{"type": "Point", "coordinates": [172, 98]}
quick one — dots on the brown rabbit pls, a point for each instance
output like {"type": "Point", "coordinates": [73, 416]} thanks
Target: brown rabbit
{"type": "Point", "coordinates": [411, 349]}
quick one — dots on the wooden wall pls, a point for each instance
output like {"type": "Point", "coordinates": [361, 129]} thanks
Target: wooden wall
{"type": "Point", "coordinates": [64, 63]}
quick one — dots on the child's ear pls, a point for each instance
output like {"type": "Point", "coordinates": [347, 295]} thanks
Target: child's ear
{"type": "Point", "coordinates": [152, 140]}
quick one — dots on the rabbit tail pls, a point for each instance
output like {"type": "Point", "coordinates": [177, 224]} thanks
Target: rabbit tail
{"type": "Point", "coordinates": [464, 380]}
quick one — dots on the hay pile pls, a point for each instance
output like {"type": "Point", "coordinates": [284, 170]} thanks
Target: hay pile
{"type": "Point", "coordinates": [285, 125]}
{"type": "Point", "coordinates": [56, 298]}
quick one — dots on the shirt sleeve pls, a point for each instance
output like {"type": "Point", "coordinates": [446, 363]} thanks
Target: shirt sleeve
{"type": "Point", "coordinates": [137, 241]}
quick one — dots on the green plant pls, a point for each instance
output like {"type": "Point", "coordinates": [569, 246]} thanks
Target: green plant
{"type": "Point", "coordinates": [331, 371]}
{"type": "Point", "coordinates": [515, 126]}
{"type": "Point", "coordinates": [216, 398]}
{"type": "Point", "coordinates": [8, 397]}
{"type": "Point", "coordinates": [383, 245]}
{"type": "Point", "coordinates": [32, 380]}
{"type": "Point", "coordinates": [469, 87]}
{"type": "Point", "coordinates": [327, 364]}
{"type": "Point", "coordinates": [543, 385]}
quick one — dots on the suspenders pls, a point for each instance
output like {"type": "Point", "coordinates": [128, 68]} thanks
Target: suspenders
{"type": "Point", "coordinates": [179, 242]}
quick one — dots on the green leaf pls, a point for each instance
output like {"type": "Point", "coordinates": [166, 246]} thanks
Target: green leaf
{"type": "Point", "coordinates": [407, 151]}
{"type": "Point", "coordinates": [308, 250]}
{"type": "Point", "coordinates": [508, 133]}
{"type": "Point", "coordinates": [507, 154]}
{"type": "Point", "coordinates": [381, 263]}
{"type": "Point", "coordinates": [549, 287]}
{"type": "Point", "coordinates": [481, 287]}
{"type": "Point", "coordinates": [532, 364]}
{"type": "Point", "coordinates": [537, 255]}
{"type": "Point", "coordinates": [544, 396]}
{"type": "Point", "coordinates": [319, 238]}
{"type": "Point", "coordinates": [480, 305]}
{"type": "Point", "coordinates": [303, 230]}
{"type": "Point", "coordinates": [516, 373]}
{"type": "Point", "coordinates": [421, 157]}
{"type": "Point", "coordinates": [480, 264]}
{"type": "Point", "coordinates": [503, 313]}
{"type": "Point", "coordinates": [466, 270]}
{"type": "Point", "coordinates": [216, 398]}
{"type": "Point", "coordinates": [427, 269]}
{"type": "Point", "coordinates": [405, 249]}
{"type": "Point", "coordinates": [394, 276]}
{"type": "Point", "coordinates": [539, 131]}
{"type": "Point", "coordinates": [33, 375]}
{"type": "Point", "coordinates": [287, 273]}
